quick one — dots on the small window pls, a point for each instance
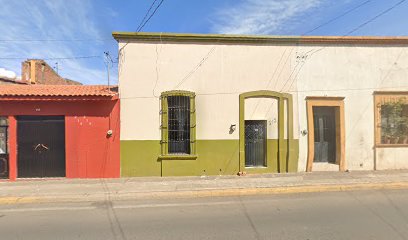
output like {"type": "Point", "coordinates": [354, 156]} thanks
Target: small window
{"type": "Point", "coordinates": [178, 123]}
{"type": "Point", "coordinates": [3, 135]}
{"type": "Point", "coordinates": [392, 119]}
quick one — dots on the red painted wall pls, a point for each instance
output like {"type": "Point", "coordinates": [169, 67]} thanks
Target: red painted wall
{"type": "Point", "coordinates": [89, 152]}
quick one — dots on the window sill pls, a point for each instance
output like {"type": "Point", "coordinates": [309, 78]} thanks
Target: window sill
{"type": "Point", "coordinates": [178, 157]}
{"type": "Point", "coordinates": [392, 146]}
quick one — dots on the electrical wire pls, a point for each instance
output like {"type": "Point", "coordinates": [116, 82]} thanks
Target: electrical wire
{"type": "Point", "coordinates": [337, 17]}
{"type": "Point", "coordinates": [195, 68]}
{"type": "Point", "coordinates": [161, 2]}
{"type": "Point", "coordinates": [51, 58]}
{"type": "Point", "coordinates": [57, 40]}
{"type": "Point", "coordinates": [294, 91]}
{"type": "Point", "coordinates": [377, 16]}
{"type": "Point", "coordinates": [309, 31]}
{"type": "Point", "coordinates": [143, 24]}
{"type": "Point", "coordinates": [367, 22]}
{"type": "Point", "coordinates": [145, 16]}
{"type": "Point", "coordinates": [352, 31]}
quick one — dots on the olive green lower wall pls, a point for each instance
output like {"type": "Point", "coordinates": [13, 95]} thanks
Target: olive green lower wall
{"type": "Point", "coordinates": [215, 157]}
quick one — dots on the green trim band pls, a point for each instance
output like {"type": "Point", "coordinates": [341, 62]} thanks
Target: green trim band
{"type": "Point", "coordinates": [214, 157]}
{"type": "Point", "coordinates": [259, 39]}
{"type": "Point", "coordinates": [177, 93]}
{"type": "Point", "coordinates": [178, 157]}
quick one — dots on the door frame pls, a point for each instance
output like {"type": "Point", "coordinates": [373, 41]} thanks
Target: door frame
{"type": "Point", "coordinates": [337, 102]}
{"type": "Point", "coordinates": [281, 97]}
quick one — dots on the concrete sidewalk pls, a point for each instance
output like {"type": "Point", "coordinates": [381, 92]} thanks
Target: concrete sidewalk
{"type": "Point", "coordinates": [73, 190]}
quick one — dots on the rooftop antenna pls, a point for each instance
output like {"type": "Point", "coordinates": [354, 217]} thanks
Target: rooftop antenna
{"type": "Point", "coordinates": [56, 67]}
{"type": "Point", "coordinates": [108, 63]}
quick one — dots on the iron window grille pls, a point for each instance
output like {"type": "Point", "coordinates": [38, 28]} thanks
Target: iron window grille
{"type": "Point", "coordinates": [178, 123]}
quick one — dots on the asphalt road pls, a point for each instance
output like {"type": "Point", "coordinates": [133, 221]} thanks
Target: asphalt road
{"type": "Point", "coordinates": [379, 214]}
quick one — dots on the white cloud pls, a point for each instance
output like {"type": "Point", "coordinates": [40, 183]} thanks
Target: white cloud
{"type": "Point", "coordinates": [53, 19]}
{"type": "Point", "coordinates": [262, 16]}
{"type": "Point", "coordinates": [7, 73]}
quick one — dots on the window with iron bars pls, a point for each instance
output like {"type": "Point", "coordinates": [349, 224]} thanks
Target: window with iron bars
{"type": "Point", "coordinates": [178, 123]}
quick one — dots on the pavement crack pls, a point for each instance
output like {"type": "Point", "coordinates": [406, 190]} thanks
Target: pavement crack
{"type": "Point", "coordinates": [111, 214]}
{"type": "Point", "coordinates": [251, 223]}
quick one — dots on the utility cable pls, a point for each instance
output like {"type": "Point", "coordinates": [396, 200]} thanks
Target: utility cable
{"type": "Point", "coordinates": [142, 24]}
{"type": "Point", "coordinates": [51, 58]}
{"type": "Point", "coordinates": [151, 15]}
{"type": "Point", "coordinates": [145, 16]}
{"type": "Point", "coordinates": [354, 30]}
{"type": "Point", "coordinates": [367, 22]}
{"type": "Point", "coordinates": [337, 17]}
{"type": "Point", "coordinates": [58, 40]}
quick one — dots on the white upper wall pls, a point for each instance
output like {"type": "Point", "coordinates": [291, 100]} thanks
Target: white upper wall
{"type": "Point", "coordinates": [352, 72]}
{"type": "Point", "coordinates": [217, 73]}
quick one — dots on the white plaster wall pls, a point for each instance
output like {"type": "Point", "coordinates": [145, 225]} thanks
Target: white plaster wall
{"type": "Point", "coordinates": [392, 158]}
{"type": "Point", "coordinates": [216, 73]}
{"type": "Point", "coordinates": [354, 72]}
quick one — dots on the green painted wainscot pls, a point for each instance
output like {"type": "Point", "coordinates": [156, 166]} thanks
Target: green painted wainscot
{"type": "Point", "coordinates": [214, 157]}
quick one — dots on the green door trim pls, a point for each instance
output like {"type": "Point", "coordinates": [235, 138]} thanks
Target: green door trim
{"type": "Point", "coordinates": [281, 97]}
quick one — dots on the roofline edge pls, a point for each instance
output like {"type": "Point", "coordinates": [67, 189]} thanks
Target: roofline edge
{"type": "Point", "coordinates": [232, 38]}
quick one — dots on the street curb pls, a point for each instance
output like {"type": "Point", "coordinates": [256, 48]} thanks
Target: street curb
{"type": "Point", "coordinates": [108, 196]}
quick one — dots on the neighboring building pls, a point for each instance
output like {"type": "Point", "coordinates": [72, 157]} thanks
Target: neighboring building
{"type": "Point", "coordinates": [59, 131]}
{"type": "Point", "coordinates": [200, 104]}
{"type": "Point", "coordinates": [37, 71]}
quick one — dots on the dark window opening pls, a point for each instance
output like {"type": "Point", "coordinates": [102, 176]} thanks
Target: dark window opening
{"type": "Point", "coordinates": [178, 124]}
{"type": "Point", "coordinates": [324, 122]}
{"type": "Point", "coordinates": [3, 135]}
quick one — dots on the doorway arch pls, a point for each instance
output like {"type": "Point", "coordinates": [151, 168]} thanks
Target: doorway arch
{"type": "Point", "coordinates": [285, 146]}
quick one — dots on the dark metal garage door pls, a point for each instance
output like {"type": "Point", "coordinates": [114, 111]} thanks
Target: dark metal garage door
{"type": "Point", "coordinates": [41, 146]}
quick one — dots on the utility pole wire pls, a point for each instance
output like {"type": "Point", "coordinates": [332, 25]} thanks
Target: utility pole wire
{"type": "Point", "coordinates": [109, 63]}
{"type": "Point", "coordinates": [337, 17]}
{"type": "Point", "coordinates": [51, 58]}
{"type": "Point", "coordinates": [142, 24]}
{"type": "Point", "coordinates": [151, 15]}
{"type": "Point", "coordinates": [352, 31]}
{"type": "Point", "coordinates": [366, 22]}
{"type": "Point", "coordinates": [145, 16]}
{"type": "Point", "coordinates": [377, 16]}
{"type": "Point", "coordinates": [58, 40]}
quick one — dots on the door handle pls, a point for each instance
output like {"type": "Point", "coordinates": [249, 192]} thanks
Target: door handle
{"type": "Point", "coordinates": [40, 145]}
{"type": "Point", "coordinates": [37, 146]}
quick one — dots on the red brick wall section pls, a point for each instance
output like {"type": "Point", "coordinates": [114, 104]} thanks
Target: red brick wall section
{"type": "Point", "coordinates": [44, 74]}
{"type": "Point", "coordinates": [25, 71]}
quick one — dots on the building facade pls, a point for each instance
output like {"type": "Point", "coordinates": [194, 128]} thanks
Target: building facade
{"type": "Point", "coordinates": [199, 104]}
{"type": "Point", "coordinates": [37, 71]}
{"type": "Point", "coordinates": [59, 131]}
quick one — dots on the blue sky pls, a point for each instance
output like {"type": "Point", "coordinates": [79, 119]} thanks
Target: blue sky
{"type": "Point", "coordinates": [35, 30]}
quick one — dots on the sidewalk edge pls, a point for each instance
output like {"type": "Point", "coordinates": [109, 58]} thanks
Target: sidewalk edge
{"type": "Point", "coordinates": [108, 196]}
